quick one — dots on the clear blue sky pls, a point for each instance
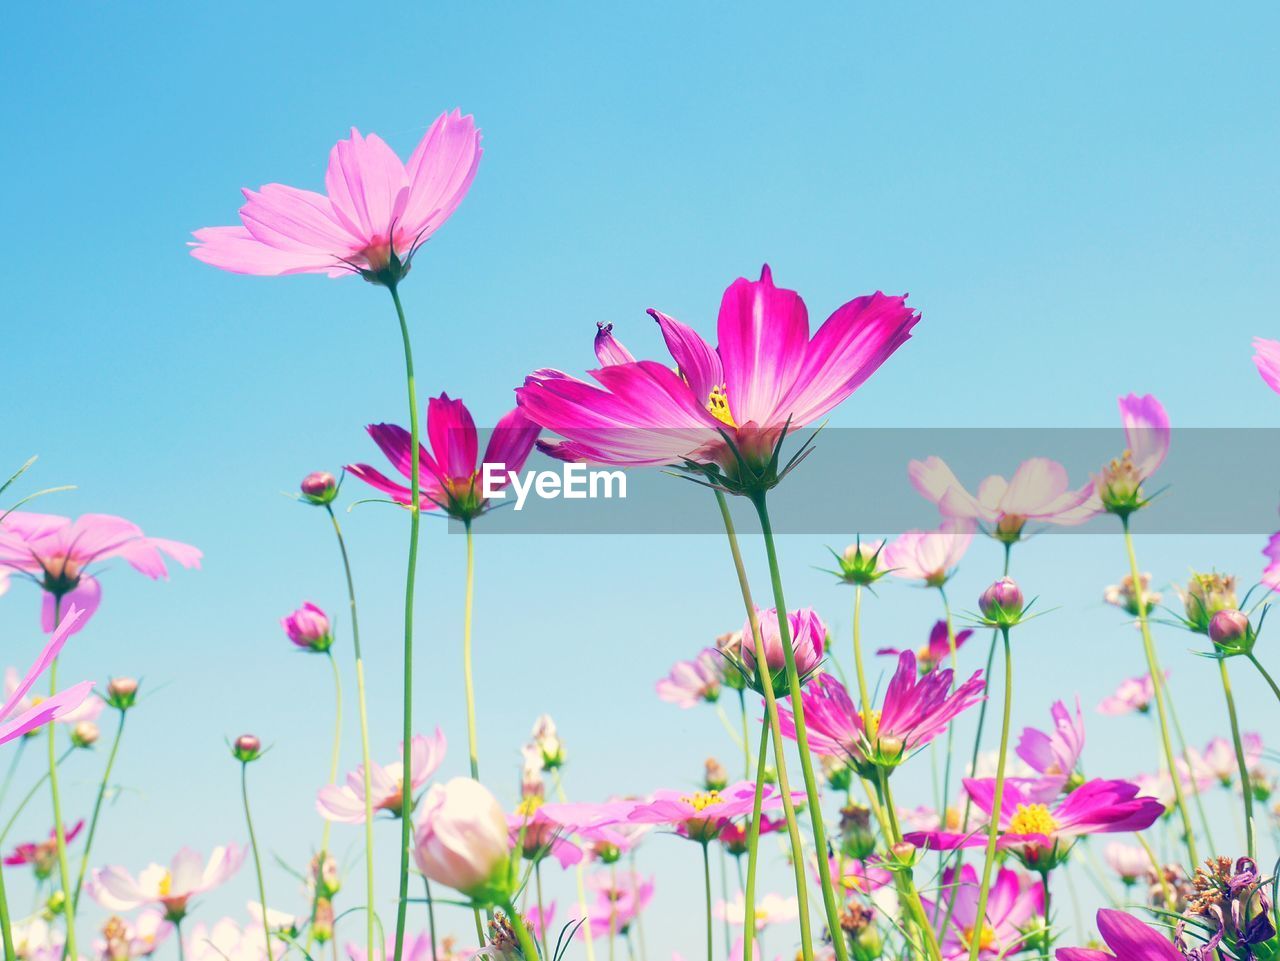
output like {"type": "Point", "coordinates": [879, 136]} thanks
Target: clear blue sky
{"type": "Point", "coordinates": [1082, 202]}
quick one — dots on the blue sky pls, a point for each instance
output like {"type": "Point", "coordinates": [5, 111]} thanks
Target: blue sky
{"type": "Point", "coordinates": [1082, 203]}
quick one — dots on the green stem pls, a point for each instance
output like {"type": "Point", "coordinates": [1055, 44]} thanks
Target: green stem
{"type": "Point", "coordinates": [362, 702]}
{"type": "Point", "coordinates": [431, 914]}
{"type": "Point", "coordinates": [746, 734]}
{"type": "Point", "coordinates": [706, 875]}
{"type": "Point", "coordinates": [1267, 677]}
{"type": "Point", "coordinates": [775, 730]}
{"type": "Point", "coordinates": [336, 754]}
{"type": "Point", "coordinates": [997, 800]}
{"type": "Point", "coordinates": [59, 830]}
{"type": "Point", "coordinates": [257, 860]}
{"type": "Point", "coordinates": [1158, 689]}
{"type": "Point", "coordinates": [802, 737]}
{"type": "Point", "coordinates": [527, 946]}
{"type": "Point", "coordinates": [406, 826]}
{"type": "Point", "coordinates": [1185, 751]}
{"type": "Point", "coordinates": [29, 795]}
{"type": "Point", "coordinates": [6, 929]}
{"type": "Point", "coordinates": [1048, 937]}
{"type": "Point", "coordinates": [466, 653]}
{"type": "Point", "coordinates": [1245, 788]}
{"type": "Point", "coordinates": [542, 914]}
{"type": "Point", "coordinates": [753, 844]}
{"type": "Point", "coordinates": [864, 702]}
{"type": "Point", "coordinates": [905, 878]}
{"type": "Point", "coordinates": [13, 768]}
{"type": "Point", "coordinates": [579, 875]}
{"type": "Point", "coordinates": [177, 936]}
{"type": "Point", "coordinates": [97, 810]}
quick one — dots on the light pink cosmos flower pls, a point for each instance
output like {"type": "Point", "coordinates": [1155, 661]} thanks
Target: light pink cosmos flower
{"type": "Point", "coordinates": [1053, 756]}
{"type": "Point", "coordinates": [1217, 764]}
{"type": "Point", "coordinates": [770, 909]}
{"type": "Point", "coordinates": [1271, 573]}
{"type": "Point", "coordinates": [375, 214]}
{"type": "Point", "coordinates": [415, 949]}
{"type": "Point", "coordinates": [1039, 833]}
{"type": "Point", "coordinates": [171, 888]}
{"type": "Point", "coordinates": [619, 898]}
{"type": "Point", "coordinates": [808, 639]}
{"type": "Point", "coordinates": [19, 716]}
{"type": "Point", "coordinates": [1128, 861]}
{"type": "Point", "coordinates": [228, 940]}
{"type": "Point", "coordinates": [937, 650]}
{"type": "Point", "coordinates": [90, 709]}
{"type": "Point", "coordinates": [766, 374]}
{"type": "Point", "coordinates": [1266, 357]}
{"type": "Point", "coordinates": [1038, 491]}
{"type": "Point", "coordinates": [345, 802]}
{"type": "Point", "coordinates": [124, 940]}
{"type": "Point", "coordinates": [1128, 939]}
{"type": "Point", "coordinates": [916, 709]}
{"type": "Point", "coordinates": [1134, 695]}
{"type": "Point", "coordinates": [694, 682]}
{"type": "Point", "coordinates": [450, 477]}
{"type": "Point", "coordinates": [541, 833]}
{"type": "Point", "coordinates": [929, 556]}
{"type": "Point", "coordinates": [700, 815]}
{"type": "Point", "coordinates": [854, 875]}
{"type": "Point", "coordinates": [57, 552]}
{"type": "Point", "coordinates": [1147, 437]}
{"type": "Point", "coordinates": [1013, 904]}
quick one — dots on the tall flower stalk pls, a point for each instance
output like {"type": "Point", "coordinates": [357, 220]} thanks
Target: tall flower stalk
{"type": "Point", "coordinates": [59, 829]}
{"type": "Point", "coordinates": [246, 750]}
{"type": "Point", "coordinates": [1246, 788]}
{"type": "Point", "coordinates": [473, 752]}
{"type": "Point", "coordinates": [121, 694]}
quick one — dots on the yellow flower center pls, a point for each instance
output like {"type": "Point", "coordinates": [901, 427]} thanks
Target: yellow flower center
{"type": "Point", "coordinates": [165, 885]}
{"type": "Point", "coordinates": [703, 800]}
{"type": "Point", "coordinates": [1032, 819]}
{"type": "Point", "coordinates": [986, 937]}
{"type": "Point", "coordinates": [718, 406]}
{"type": "Point", "coordinates": [529, 805]}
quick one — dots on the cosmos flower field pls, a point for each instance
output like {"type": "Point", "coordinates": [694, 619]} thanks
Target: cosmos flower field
{"type": "Point", "coordinates": [812, 837]}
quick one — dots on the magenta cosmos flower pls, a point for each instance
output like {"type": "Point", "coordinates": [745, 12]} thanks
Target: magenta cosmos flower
{"type": "Point", "coordinates": [374, 215]}
{"type": "Point", "coordinates": [936, 651]}
{"type": "Point", "coordinates": [171, 888]}
{"type": "Point", "coordinates": [929, 556]}
{"type": "Point", "coordinates": [1054, 755]}
{"type": "Point", "coordinates": [42, 855]}
{"type": "Point", "coordinates": [1038, 491]}
{"type": "Point", "coordinates": [57, 553]}
{"type": "Point", "coordinates": [18, 716]}
{"type": "Point", "coordinates": [308, 628]}
{"type": "Point", "coordinates": [345, 802]}
{"type": "Point", "coordinates": [693, 682]}
{"type": "Point", "coordinates": [1013, 903]}
{"type": "Point", "coordinates": [808, 639]}
{"type": "Point", "coordinates": [916, 709]}
{"type": "Point", "coordinates": [1128, 940]}
{"type": "Point", "coordinates": [619, 899]}
{"type": "Point", "coordinates": [1041, 835]}
{"type": "Point", "coordinates": [451, 479]}
{"type": "Point", "coordinates": [767, 373]}
{"type": "Point", "coordinates": [1266, 357]}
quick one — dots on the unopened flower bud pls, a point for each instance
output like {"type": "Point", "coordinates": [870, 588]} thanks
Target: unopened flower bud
{"type": "Point", "coordinates": [903, 852]}
{"type": "Point", "coordinates": [84, 734]}
{"type": "Point", "coordinates": [308, 628]}
{"type": "Point", "coordinates": [322, 922]}
{"type": "Point", "coordinates": [1001, 603]}
{"type": "Point", "coordinates": [324, 875]}
{"type": "Point", "coordinates": [319, 487]}
{"type": "Point", "coordinates": [860, 563]}
{"type": "Point", "coordinates": [837, 772]}
{"type": "Point", "coordinates": [857, 840]}
{"type": "Point", "coordinates": [247, 748]}
{"type": "Point", "coordinates": [57, 901]}
{"type": "Point", "coordinates": [1228, 626]}
{"type": "Point", "coordinates": [716, 777]}
{"type": "Point", "coordinates": [548, 742]}
{"type": "Point", "coordinates": [122, 693]}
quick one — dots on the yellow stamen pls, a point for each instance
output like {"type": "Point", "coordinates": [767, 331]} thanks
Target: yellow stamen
{"type": "Point", "coordinates": [703, 799]}
{"type": "Point", "coordinates": [718, 406]}
{"type": "Point", "coordinates": [1032, 819]}
{"type": "Point", "coordinates": [529, 805]}
{"type": "Point", "coordinates": [166, 884]}
{"type": "Point", "coordinates": [986, 938]}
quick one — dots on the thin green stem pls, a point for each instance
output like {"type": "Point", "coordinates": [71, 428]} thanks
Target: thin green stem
{"type": "Point", "coordinates": [362, 705]}
{"type": "Point", "coordinates": [177, 936]}
{"type": "Point", "coordinates": [1159, 691]}
{"type": "Point", "coordinates": [59, 829]}
{"type": "Point", "coordinates": [579, 874]}
{"type": "Point", "coordinates": [775, 730]}
{"type": "Point", "coordinates": [257, 859]}
{"type": "Point", "coordinates": [1245, 788]}
{"type": "Point", "coordinates": [6, 928]}
{"type": "Point", "coordinates": [864, 698]}
{"type": "Point", "coordinates": [542, 914]}
{"type": "Point", "coordinates": [466, 653]}
{"type": "Point", "coordinates": [13, 768]}
{"type": "Point", "coordinates": [406, 826]}
{"type": "Point", "coordinates": [1185, 751]}
{"type": "Point", "coordinates": [1048, 936]}
{"type": "Point", "coordinates": [706, 875]}
{"type": "Point", "coordinates": [431, 914]}
{"type": "Point", "coordinates": [336, 754]}
{"type": "Point", "coordinates": [97, 810]}
{"type": "Point", "coordinates": [753, 844]}
{"type": "Point", "coordinates": [905, 878]}
{"type": "Point", "coordinates": [746, 735]}
{"type": "Point", "coordinates": [26, 799]}
{"type": "Point", "coordinates": [527, 946]}
{"type": "Point", "coordinates": [993, 832]}
{"type": "Point", "coordinates": [1265, 676]}
{"type": "Point", "coordinates": [802, 737]}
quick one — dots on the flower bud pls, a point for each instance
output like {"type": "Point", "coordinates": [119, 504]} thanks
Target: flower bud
{"type": "Point", "coordinates": [324, 875]}
{"type": "Point", "coordinates": [548, 742]}
{"type": "Point", "coordinates": [308, 628]}
{"type": "Point", "coordinates": [837, 772]}
{"type": "Point", "coordinates": [1001, 603]}
{"type": "Point", "coordinates": [857, 840]}
{"type": "Point", "coordinates": [247, 748]}
{"type": "Point", "coordinates": [56, 903]}
{"type": "Point", "coordinates": [462, 841]}
{"type": "Point", "coordinates": [322, 921]}
{"type": "Point", "coordinates": [904, 852]}
{"type": "Point", "coordinates": [808, 639]}
{"type": "Point", "coordinates": [319, 488]}
{"type": "Point", "coordinates": [730, 647]}
{"type": "Point", "coordinates": [1231, 632]}
{"type": "Point", "coordinates": [860, 563]}
{"type": "Point", "coordinates": [84, 734]}
{"type": "Point", "coordinates": [716, 777]}
{"type": "Point", "coordinates": [1205, 595]}
{"type": "Point", "coordinates": [1119, 486]}
{"type": "Point", "coordinates": [122, 693]}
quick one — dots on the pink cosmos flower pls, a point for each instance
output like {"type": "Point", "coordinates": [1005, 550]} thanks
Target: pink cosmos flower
{"type": "Point", "coordinates": [89, 710]}
{"type": "Point", "coordinates": [853, 875]}
{"type": "Point", "coordinates": [1013, 904]}
{"type": "Point", "coordinates": [619, 898]}
{"type": "Point", "coordinates": [308, 628]}
{"type": "Point", "coordinates": [449, 476]}
{"type": "Point", "coordinates": [734, 836]}
{"type": "Point", "coordinates": [415, 949]}
{"type": "Point", "coordinates": [1147, 436]}
{"type": "Point", "coordinates": [1134, 694]}
{"type": "Point", "coordinates": [1129, 940]}
{"type": "Point", "coordinates": [542, 832]}
{"type": "Point", "coordinates": [462, 839]}
{"type": "Point", "coordinates": [42, 855]}
{"type": "Point", "coordinates": [1266, 357]}
{"type": "Point", "coordinates": [19, 716]}
{"type": "Point", "coordinates": [345, 802]}
{"type": "Point", "coordinates": [936, 651]}
{"type": "Point", "coordinates": [916, 709]}
{"type": "Point", "coordinates": [228, 940]}
{"type": "Point", "coordinates": [170, 888]}
{"type": "Point", "coordinates": [1217, 764]}
{"type": "Point", "coordinates": [770, 909]}
{"type": "Point", "coordinates": [1271, 573]}
{"type": "Point", "coordinates": [376, 214]}
{"type": "Point", "coordinates": [1053, 756]}
{"type": "Point", "coordinates": [1038, 491]}
{"type": "Point", "coordinates": [57, 552]}
{"type": "Point", "coordinates": [808, 638]}
{"type": "Point", "coordinates": [766, 374]}
{"type": "Point", "coordinates": [929, 556]}
{"type": "Point", "coordinates": [1036, 831]}
{"type": "Point", "coordinates": [124, 940]}
{"type": "Point", "coordinates": [693, 682]}
{"type": "Point", "coordinates": [700, 815]}
{"type": "Point", "coordinates": [1128, 861]}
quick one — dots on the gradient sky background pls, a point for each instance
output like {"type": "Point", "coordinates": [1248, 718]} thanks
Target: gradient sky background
{"type": "Point", "coordinates": [1082, 203]}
